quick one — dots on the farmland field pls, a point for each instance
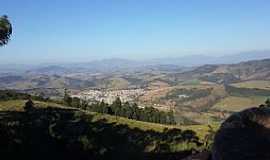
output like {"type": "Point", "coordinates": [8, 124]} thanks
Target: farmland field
{"type": "Point", "coordinates": [259, 84]}
{"type": "Point", "coordinates": [233, 103]}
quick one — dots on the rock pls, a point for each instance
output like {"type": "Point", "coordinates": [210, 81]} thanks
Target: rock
{"type": "Point", "coordinates": [244, 136]}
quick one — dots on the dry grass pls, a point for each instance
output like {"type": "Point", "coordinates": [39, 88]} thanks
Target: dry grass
{"type": "Point", "coordinates": [17, 105]}
{"type": "Point", "coordinates": [253, 84]}
{"type": "Point", "coordinates": [235, 104]}
{"type": "Point", "coordinates": [201, 130]}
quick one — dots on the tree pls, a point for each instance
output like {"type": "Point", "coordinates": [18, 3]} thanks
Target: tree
{"type": "Point", "coordinates": [171, 119]}
{"type": "Point", "coordinates": [67, 98]}
{"type": "Point", "coordinates": [117, 106]}
{"type": "Point", "coordinates": [117, 102]}
{"type": "Point", "coordinates": [110, 111]}
{"type": "Point", "coordinates": [29, 105]}
{"type": "Point", "coordinates": [267, 102]}
{"type": "Point", "coordinates": [136, 112]}
{"type": "Point", "coordinates": [5, 30]}
{"type": "Point", "coordinates": [76, 102]}
{"type": "Point", "coordinates": [84, 103]}
{"type": "Point", "coordinates": [103, 107]}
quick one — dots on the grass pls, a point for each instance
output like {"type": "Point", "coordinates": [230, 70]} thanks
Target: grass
{"type": "Point", "coordinates": [12, 105]}
{"type": "Point", "coordinates": [259, 84]}
{"type": "Point", "coordinates": [201, 130]}
{"type": "Point", "coordinates": [233, 103]}
{"type": "Point", "coordinates": [17, 105]}
{"type": "Point", "coordinates": [117, 83]}
{"type": "Point", "coordinates": [193, 82]}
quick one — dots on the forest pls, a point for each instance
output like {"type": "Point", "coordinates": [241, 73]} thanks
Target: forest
{"type": "Point", "coordinates": [127, 110]}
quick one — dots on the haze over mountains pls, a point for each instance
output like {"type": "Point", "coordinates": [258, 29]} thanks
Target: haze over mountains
{"type": "Point", "coordinates": [118, 64]}
{"type": "Point", "coordinates": [138, 73]}
{"type": "Point", "coordinates": [197, 60]}
{"type": "Point", "coordinates": [197, 92]}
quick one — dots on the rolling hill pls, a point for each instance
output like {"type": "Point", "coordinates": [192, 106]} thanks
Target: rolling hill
{"type": "Point", "coordinates": [202, 89]}
{"type": "Point", "coordinates": [63, 129]}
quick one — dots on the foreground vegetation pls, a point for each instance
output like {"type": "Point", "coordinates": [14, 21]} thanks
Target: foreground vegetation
{"type": "Point", "coordinates": [5, 30]}
{"type": "Point", "coordinates": [127, 110]}
{"type": "Point", "coordinates": [50, 130]}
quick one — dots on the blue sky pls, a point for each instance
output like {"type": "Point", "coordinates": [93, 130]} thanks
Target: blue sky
{"type": "Point", "coordinates": [84, 30]}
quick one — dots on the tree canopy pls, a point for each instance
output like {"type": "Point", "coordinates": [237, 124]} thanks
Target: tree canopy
{"type": "Point", "coordinates": [5, 30]}
{"type": "Point", "coordinates": [117, 108]}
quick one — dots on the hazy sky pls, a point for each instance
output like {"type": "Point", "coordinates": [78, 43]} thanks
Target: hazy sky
{"type": "Point", "coordinates": [83, 30]}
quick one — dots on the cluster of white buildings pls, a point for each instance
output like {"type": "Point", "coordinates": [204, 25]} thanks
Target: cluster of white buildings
{"type": "Point", "coordinates": [108, 96]}
{"type": "Point", "coordinates": [183, 96]}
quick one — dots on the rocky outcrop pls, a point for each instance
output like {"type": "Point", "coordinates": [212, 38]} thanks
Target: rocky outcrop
{"type": "Point", "coordinates": [244, 136]}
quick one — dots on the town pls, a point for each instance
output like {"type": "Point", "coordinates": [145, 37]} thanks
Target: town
{"type": "Point", "coordinates": [108, 96]}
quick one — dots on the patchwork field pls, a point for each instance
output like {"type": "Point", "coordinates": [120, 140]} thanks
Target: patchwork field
{"type": "Point", "coordinates": [259, 84]}
{"type": "Point", "coordinates": [233, 103]}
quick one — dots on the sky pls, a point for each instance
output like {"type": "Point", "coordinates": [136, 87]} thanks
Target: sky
{"type": "Point", "coordinates": [86, 30]}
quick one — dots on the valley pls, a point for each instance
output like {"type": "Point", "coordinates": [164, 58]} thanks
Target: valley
{"type": "Point", "coordinates": [135, 80]}
{"type": "Point", "coordinates": [196, 95]}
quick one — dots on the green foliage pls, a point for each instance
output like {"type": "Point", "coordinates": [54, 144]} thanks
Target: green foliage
{"type": "Point", "coordinates": [75, 102]}
{"type": "Point", "coordinates": [5, 30]}
{"type": "Point", "coordinates": [267, 102]}
{"type": "Point", "coordinates": [209, 138]}
{"type": "Point", "coordinates": [147, 114]}
{"type": "Point", "coordinates": [71, 134]}
{"type": "Point", "coordinates": [117, 102]}
{"type": "Point", "coordinates": [6, 95]}
{"type": "Point", "coordinates": [67, 99]}
{"type": "Point", "coordinates": [11, 95]}
{"type": "Point", "coordinates": [246, 92]}
{"type": "Point", "coordinates": [131, 111]}
{"type": "Point", "coordinates": [29, 105]}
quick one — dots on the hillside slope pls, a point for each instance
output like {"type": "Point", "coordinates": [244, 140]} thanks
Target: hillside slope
{"type": "Point", "coordinates": [70, 133]}
{"type": "Point", "coordinates": [250, 70]}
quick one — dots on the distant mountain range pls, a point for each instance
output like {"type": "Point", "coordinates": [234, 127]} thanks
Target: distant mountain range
{"type": "Point", "coordinates": [80, 76]}
{"type": "Point", "coordinates": [229, 73]}
{"type": "Point", "coordinates": [116, 64]}
{"type": "Point", "coordinates": [206, 86]}
{"type": "Point", "coordinates": [198, 60]}
{"type": "Point", "coordinates": [166, 64]}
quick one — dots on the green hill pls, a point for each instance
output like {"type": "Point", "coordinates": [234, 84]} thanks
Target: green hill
{"type": "Point", "coordinates": [52, 129]}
